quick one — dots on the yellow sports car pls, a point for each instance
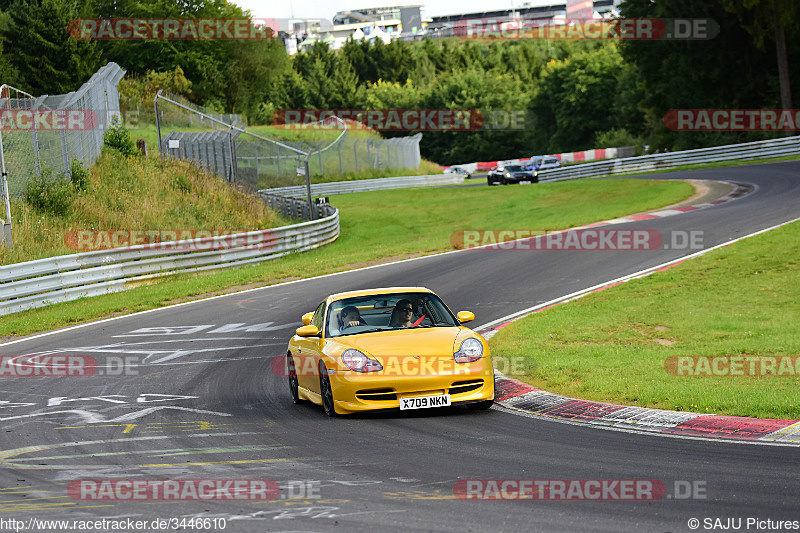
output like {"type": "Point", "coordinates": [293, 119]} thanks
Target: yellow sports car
{"type": "Point", "coordinates": [388, 348]}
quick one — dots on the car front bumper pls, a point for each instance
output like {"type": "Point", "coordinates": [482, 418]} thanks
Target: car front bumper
{"type": "Point", "coordinates": [355, 392]}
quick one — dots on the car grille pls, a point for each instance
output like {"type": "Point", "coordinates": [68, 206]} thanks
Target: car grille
{"type": "Point", "coordinates": [460, 387]}
{"type": "Point", "coordinates": [376, 395]}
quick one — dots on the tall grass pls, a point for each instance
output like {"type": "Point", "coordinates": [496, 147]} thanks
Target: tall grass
{"type": "Point", "coordinates": [135, 193]}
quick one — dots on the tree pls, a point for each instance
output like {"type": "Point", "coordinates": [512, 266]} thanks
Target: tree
{"type": "Point", "coordinates": [727, 72]}
{"type": "Point", "coordinates": [478, 91]}
{"type": "Point", "coordinates": [573, 100]}
{"type": "Point", "coordinates": [346, 92]}
{"type": "Point", "coordinates": [766, 20]}
{"type": "Point", "coordinates": [289, 92]}
{"type": "Point", "coordinates": [47, 59]}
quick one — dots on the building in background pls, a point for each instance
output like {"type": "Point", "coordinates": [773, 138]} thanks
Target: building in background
{"type": "Point", "coordinates": [409, 22]}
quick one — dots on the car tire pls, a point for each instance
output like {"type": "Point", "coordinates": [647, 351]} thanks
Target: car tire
{"type": "Point", "coordinates": [489, 182]}
{"type": "Point", "coordinates": [294, 386]}
{"type": "Point", "coordinates": [480, 406]}
{"type": "Point", "coordinates": [326, 391]}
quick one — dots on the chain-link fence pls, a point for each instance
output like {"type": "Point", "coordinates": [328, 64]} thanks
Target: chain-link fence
{"type": "Point", "coordinates": [262, 162]}
{"type": "Point", "coordinates": [211, 150]}
{"type": "Point", "coordinates": [44, 132]}
{"type": "Point", "coordinates": [276, 165]}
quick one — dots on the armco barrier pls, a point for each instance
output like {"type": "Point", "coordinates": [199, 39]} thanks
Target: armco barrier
{"type": "Point", "coordinates": [645, 163]}
{"type": "Point", "coordinates": [377, 184]}
{"type": "Point", "coordinates": [59, 279]}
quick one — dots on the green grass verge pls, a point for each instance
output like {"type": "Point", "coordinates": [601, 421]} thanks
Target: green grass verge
{"type": "Point", "coordinates": [385, 224]}
{"type": "Point", "coordinates": [741, 300]}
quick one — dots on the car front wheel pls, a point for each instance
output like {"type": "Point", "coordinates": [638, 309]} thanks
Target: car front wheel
{"type": "Point", "coordinates": [326, 391]}
{"type": "Point", "coordinates": [294, 387]}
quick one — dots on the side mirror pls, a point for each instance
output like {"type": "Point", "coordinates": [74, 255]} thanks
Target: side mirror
{"type": "Point", "coordinates": [308, 331]}
{"type": "Point", "coordinates": [307, 318]}
{"type": "Point", "coordinates": [465, 316]}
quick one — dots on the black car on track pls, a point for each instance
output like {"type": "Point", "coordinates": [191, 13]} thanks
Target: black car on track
{"type": "Point", "coordinates": [511, 174]}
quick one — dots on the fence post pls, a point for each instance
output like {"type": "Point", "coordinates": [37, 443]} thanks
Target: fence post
{"type": "Point", "coordinates": [158, 126]}
{"type": "Point", "coordinates": [308, 189]}
{"type": "Point", "coordinates": [339, 149]}
{"type": "Point", "coordinates": [234, 163]}
{"type": "Point", "coordinates": [64, 155]}
{"type": "Point", "coordinates": [355, 151]}
{"type": "Point", "coordinates": [6, 235]}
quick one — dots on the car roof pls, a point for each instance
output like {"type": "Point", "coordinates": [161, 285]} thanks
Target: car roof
{"type": "Point", "coordinates": [366, 292]}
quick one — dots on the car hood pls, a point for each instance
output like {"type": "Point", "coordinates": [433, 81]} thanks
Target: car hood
{"type": "Point", "coordinates": [391, 347]}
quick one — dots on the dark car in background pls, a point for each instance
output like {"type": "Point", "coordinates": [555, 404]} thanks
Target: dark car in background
{"type": "Point", "coordinates": [511, 174]}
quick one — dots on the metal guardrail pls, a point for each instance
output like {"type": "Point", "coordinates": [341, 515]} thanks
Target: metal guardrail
{"type": "Point", "coordinates": [377, 184]}
{"type": "Point", "coordinates": [646, 163]}
{"type": "Point", "coordinates": [59, 279]}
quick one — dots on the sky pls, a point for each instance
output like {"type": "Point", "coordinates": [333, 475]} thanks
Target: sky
{"type": "Point", "coordinates": [327, 8]}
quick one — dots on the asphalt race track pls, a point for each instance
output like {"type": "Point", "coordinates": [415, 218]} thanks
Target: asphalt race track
{"type": "Point", "coordinates": [202, 402]}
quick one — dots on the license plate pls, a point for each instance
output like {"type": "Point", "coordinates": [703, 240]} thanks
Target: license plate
{"type": "Point", "coordinates": [424, 402]}
{"type": "Point", "coordinates": [525, 181]}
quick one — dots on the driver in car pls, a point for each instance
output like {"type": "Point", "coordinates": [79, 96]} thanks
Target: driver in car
{"type": "Point", "coordinates": [403, 314]}
{"type": "Point", "coordinates": [351, 317]}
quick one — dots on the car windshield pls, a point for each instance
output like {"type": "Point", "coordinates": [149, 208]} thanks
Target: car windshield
{"type": "Point", "coordinates": [513, 168]}
{"type": "Point", "coordinates": [385, 312]}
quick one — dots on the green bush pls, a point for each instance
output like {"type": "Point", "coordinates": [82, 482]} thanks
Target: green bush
{"type": "Point", "coordinates": [183, 184]}
{"type": "Point", "coordinates": [50, 193]}
{"type": "Point", "coordinates": [119, 139]}
{"type": "Point", "coordinates": [79, 175]}
{"type": "Point", "coordinates": [616, 138]}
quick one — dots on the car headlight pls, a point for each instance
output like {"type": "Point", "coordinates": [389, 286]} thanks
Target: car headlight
{"type": "Point", "coordinates": [471, 349]}
{"type": "Point", "coordinates": [356, 360]}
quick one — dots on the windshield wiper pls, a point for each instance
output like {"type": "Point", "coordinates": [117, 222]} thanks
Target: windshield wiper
{"type": "Point", "coordinates": [373, 330]}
